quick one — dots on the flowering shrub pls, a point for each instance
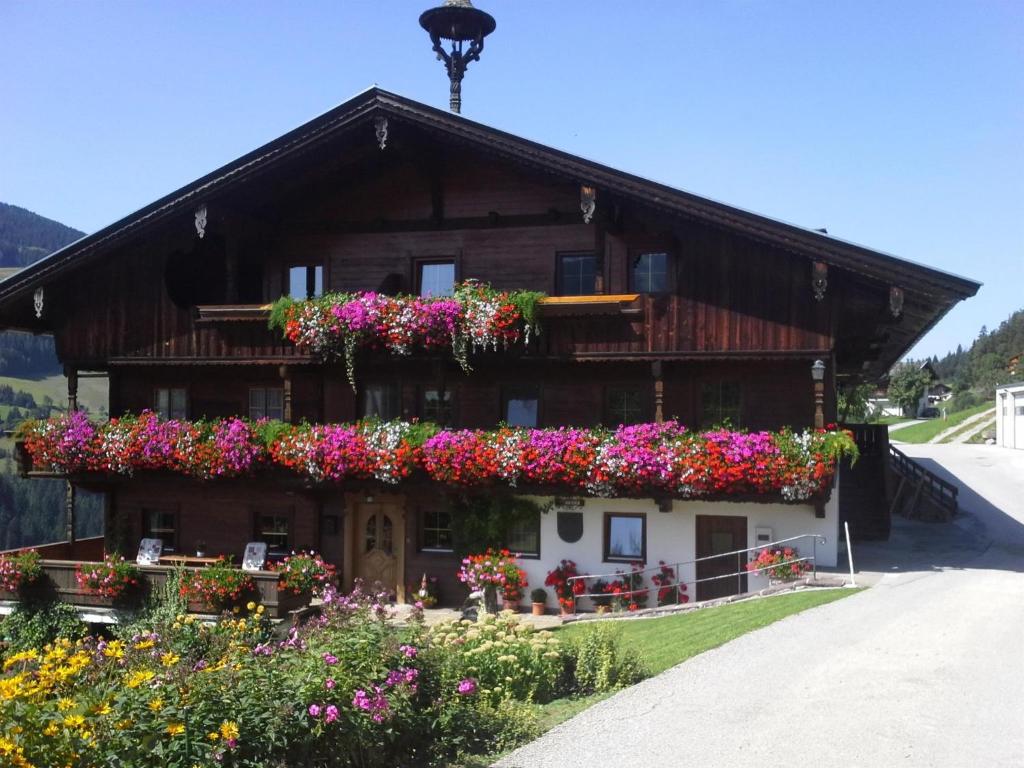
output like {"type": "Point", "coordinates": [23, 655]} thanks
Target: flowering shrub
{"type": "Point", "coordinates": [779, 563]}
{"type": "Point", "coordinates": [565, 590]}
{"type": "Point", "coordinates": [497, 658]}
{"type": "Point", "coordinates": [628, 592]}
{"type": "Point", "coordinates": [486, 570]}
{"type": "Point", "coordinates": [219, 585]}
{"type": "Point", "coordinates": [18, 569]}
{"type": "Point", "coordinates": [304, 573]}
{"type": "Point", "coordinates": [669, 592]}
{"type": "Point", "coordinates": [475, 317]}
{"type": "Point", "coordinates": [115, 577]}
{"type": "Point", "coordinates": [637, 460]}
{"type": "Point", "coordinates": [515, 582]}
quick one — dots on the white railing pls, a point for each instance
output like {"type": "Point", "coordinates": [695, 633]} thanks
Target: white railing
{"type": "Point", "coordinates": [681, 584]}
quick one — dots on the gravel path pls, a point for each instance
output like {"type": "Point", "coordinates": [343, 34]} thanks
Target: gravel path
{"type": "Point", "coordinates": [976, 419]}
{"type": "Point", "coordinates": [923, 669]}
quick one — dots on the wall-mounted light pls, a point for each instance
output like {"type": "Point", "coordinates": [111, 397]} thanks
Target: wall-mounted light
{"type": "Point", "coordinates": [818, 370]}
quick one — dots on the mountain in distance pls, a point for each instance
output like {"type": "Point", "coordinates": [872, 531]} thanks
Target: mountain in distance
{"type": "Point", "coordinates": [26, 237]}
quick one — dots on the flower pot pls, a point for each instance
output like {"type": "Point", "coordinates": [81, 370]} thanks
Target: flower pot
{"type": "Point", "coordinates": [539, 609]}
{"type": "Point", "coordinates": [566, 610]}
{"type": "Point", "coordinates": [510, 605]}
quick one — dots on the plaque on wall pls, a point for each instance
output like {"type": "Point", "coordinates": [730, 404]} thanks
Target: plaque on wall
{"type": "Point", "coordinates": [570, 526]}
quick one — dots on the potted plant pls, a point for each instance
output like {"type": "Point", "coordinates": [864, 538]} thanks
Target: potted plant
{"type": "Point", "coordinates": [486, 573]}
{"type": "Point", "coordinates": [669, 591]}
{"type": "Point", "coordinates": [423, 592]}
{"type": "Point", "coordinates": [565, 590]}
{"type": "Point", "coordinates": [113, 581]}
{"type": "Point", "coordinates": [305, 575]}
{"type": "Point", "coordinates": [19, 571]}
{"type": "Point", "coordinates": [514, 586]}
{"type": "Point", "coordinates": [539, 599]}
{"type": "Point", "coordinates": [628, 592]}
{"type": "Point", "coordinates": [600, 597]}
{"type": "Point", "coordinates": [217, 587]}
{"type": "Point", "coordinates": [779, 564]}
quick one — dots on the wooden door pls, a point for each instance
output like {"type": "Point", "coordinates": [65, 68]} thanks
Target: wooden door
{"type": "Point", "coordinates": [717, 534]}
{"type": "Point", "coordinates": [378, 544]}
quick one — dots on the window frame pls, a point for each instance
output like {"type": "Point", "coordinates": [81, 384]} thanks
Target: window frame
{"type": "Point", "coordinates": [718, 384]}
{"type": "Point", "coordinates": [170, 402]}
{"type": "Point", "coordinates": [524, 554]}
{"type": "Point", "coordinates": [560, 272]}
{"type": "Point", "coordinates": [635, 256]}
{"type": "Point", "coordinates": [606, 538]}
{"type": "Point", "coordinates": [422, 528]}
{"type": "Point", "coordinates": [310, 267]}
{"type": "Point", "coordinates": [288, 513]}
{"type": "Point", "coordinates": [452, 404]}
{"type": "Point", "coordinates": [265, 407]}
{"type": "Point", "coordinates": [506, 395]}
{"type": "Point", "coordinates": [645, 403]}
{"type": "Point", "coordinates": [162, 509]}
{"type": "Point", "coordinates": [423, 261]}
{"type": "Point", "coordinates": [364, 389]}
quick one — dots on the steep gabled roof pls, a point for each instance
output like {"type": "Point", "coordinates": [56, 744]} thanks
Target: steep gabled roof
{"type": "Point", "coordinates": [375, 101]}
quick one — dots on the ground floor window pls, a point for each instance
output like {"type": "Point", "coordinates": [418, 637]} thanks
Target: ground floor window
{"type": "Point", "coordinates": [437, 406]}
{"type": "Point", "coordinates": [170, 402]}
{"type": "Point", "coordinates": [161, 523]}
{"type": "Point", "coordinates": [524, 537]}
{"type": "Point", "coordinates": [436, 531]}
{"type": "Point", "coordinates": [273, 528]}
{"type": "Point", "coordinates": [266, 403]}
{"type": "Point", "coordinates": [721, 404]}
{"type": "Point", "coordinates": [625, 405]}
{"type": "Point", "coordinates": [625, 537]}
{"type": "Point", "coordinates": [381, 401]}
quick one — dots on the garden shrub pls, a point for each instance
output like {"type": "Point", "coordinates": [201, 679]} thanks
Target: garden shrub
{"type": "Point", "coordinates": [35, 625]}
{"type": "Point", "coordinates": [598, 662]}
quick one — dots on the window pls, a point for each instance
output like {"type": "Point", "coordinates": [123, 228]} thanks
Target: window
{"type": "Point", "coordinates": [435, 278]}
{"type": "Point", "coordinates": [161, 524]}
{"type": "Point", "coordinates": [625, 406]}
{"type": "Point", "coordinates": [437, 406]}
{"type": "Point", "coordinates": [524, 537]}
{"type": "Point", "coordinates": [1020, 410]}
{"type": "Point", "coordinates": [522, 406]}
{"type": "Point", "coordinates": [381, 400]}
{"type": "Point", "coordinates": [274, 529]}
{"type": "Point", "coordinates": [649, 273]}
{"type": "Point", "coordinates": [306, 281]}
{"type": "Point", "coordinates": [266, 403]}
{"type": "Point", "coordinates": [170, 403]}
{"type": "Point", "coordinates": [576, 274]}
{"type": "Point", "coordinates": [720, 403]}
{"type": "Point", "coordinates": [625, 537]}
{"type": "Point", "coordinates": [436, 531]}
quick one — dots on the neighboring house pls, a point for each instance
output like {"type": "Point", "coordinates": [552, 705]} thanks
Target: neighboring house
{"type": "Point", "coordinates": [1010, 416]}
{"type": "Point", "coordinates": [665, 304]}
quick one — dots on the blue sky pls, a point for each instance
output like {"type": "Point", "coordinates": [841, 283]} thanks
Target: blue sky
{"type": "Point", "coordinates": [899, 126]}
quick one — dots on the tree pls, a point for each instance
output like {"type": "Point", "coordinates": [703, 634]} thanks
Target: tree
{"type": "Point", "coordinates": [853, 403]}
{"type": "Point", "coordinates": [907, 382]}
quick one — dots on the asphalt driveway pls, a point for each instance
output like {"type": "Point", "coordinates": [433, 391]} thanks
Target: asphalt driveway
{"type": "Point", "coordinates": [924, 669]}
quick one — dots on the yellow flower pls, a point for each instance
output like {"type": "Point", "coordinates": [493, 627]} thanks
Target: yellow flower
{"type": "Point", "coordinates": [123, 725]}
{"type": "Point", "coordinates": [64, 704]}
{"type": "Point", "coordinates": [29, 655]}
{"type": "Point", "coordinates": [74, 721]}
{"type": "Point", "coordinates": [250, 606]}
{"type": "Point", "coordinates": [236, 609]}
{"type": "Point", "coordinates": [144, 645]}
{"type": "Point", "coordinates": [51, 730]}
{"type": "Point", "coordinates": [114, 650]}
{"type": "Point", "coordinates": [138, 678]}
{"type": "Point", "coordinates": [169, 659]}
{"type": "Point", "coordinates": [229, 729]}
{"type": "Point", "coordinates": [213, 735]}
{"type": "Point", "coordinates": [174, 729]}
{"type": "Point", "coordinates": [260, 609]}
{"type": "Point", "coordinates": [103, 709]}
{"type": "Point", "coordinates": [156, 705]}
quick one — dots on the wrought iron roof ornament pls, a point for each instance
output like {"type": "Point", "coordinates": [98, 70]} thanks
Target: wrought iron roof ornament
{"type": "Point", "coordinates": [458, 22]}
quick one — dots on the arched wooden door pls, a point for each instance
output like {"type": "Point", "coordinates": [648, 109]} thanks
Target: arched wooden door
{"type": "Point", "coordinates": [378, 545]}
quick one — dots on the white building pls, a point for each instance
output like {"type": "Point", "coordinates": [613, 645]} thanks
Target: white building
{"type": "Point", "coordinates": [1010, 416]}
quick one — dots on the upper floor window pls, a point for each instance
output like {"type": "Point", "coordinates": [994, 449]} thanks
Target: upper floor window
{"type": "Point", "coordinates": [649, 273]}
{"type": "Point", "coordinates": [435, 278]}
{"type": "Point", "coordinates": [721, 402]}
{"type": "Point", "coordinates": [306, 281]}
{"type": "Point", "coordinates": [437, 406]}
{"type": "Point", "coordinates": [625, 405]}
{"type": "Point", "coordinates": [170, 402]}
{"type": "Point", "coordinates": [381, 401]}
{"type": "Point", "coordinates": [266, 403]}
{"type": "Point", "coordinates": [576, 274]}
{"type": "Point", "coordinates": [522, 406]}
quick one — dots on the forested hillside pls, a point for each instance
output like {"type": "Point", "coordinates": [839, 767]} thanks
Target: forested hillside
{"type": "Point", "coordinates": [986, 363]}
{"type": "Point", "coordinates": [32, 511]}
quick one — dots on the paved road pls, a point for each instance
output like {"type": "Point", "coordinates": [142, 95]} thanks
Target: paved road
{"type": "Point", "coordinates": [926, 668]}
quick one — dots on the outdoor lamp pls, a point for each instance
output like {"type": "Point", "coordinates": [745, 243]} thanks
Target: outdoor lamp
{"type": "Point", "coordinates": [818, 371]}
{"type": "Point", "coordinates": [457, 22]}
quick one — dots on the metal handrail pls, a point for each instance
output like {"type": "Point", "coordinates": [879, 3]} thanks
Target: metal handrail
{"type": "Point", "coordinates": [812, 559]}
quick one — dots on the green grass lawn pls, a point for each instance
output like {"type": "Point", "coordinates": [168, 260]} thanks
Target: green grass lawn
{"type": "Point", "coordinates": [970, 429]}
{"type": "Point", "coordinates": [925, 431]}
{"type": "Point", "coordinates": [988, 427]}
{"type": "Point", "coordinates": [91, 392]}
{"type": "Point", "coordinates": [890, 420]}
{"type": "Point", "coordinates": [670, 640]}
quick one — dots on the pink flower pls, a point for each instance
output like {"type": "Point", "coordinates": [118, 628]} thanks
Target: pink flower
{"type": "Point", "coordinates": [329, 683]}
{"type": "Point", "coordinates": [467, 687]}
{"type": "Point", "coordinates": [314, 710]}
{"type": "Point", "coordinates": [331, 714]}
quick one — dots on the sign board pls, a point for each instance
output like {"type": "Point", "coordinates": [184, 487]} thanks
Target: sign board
{"type": "Point", "coordinates": [255, 556]}
{"type": "Point", "coordinates": [568, 503]}
{"type": "Point", "coordinates": [149, 552]}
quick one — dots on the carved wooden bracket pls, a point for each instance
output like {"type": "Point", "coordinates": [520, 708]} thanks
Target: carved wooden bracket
{"type": "Point", "coordinates": [819, 280]}
{"type": "Point", "coordinates": [37, 302]}
{"type": "Point", "coordinates": [380, 128]}
{"type": "Point", "coordinates": [896, 301]}
{"type": "Point", "coordinates": [588, 202]}
{"type": "Point", "coordinates": [201, 221]}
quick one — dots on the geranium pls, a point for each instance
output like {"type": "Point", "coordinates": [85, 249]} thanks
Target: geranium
{"type": "Point", "coordinates": [669, 592]}
{"type": "Point", "coordinates": [475, 317]}
{"type": "Point", "coordinates": [489, 569]}
{"type": "Point", "coordinates": [305, 572]}
{"type": "Point", "coordinates": [628, 592]}
{"type": "Point", "coordinates": [565, 590]}
{"type": "Point", "coordinates": [779, 563]}
{"type": "Point", "coordinates": [112, 578]}
{"type": "Point", "coordinates": [18, 569]}
{"type": "Point", "coordinates": [515, 582]}
{"type": "Point", "coordinates": [219, 585]}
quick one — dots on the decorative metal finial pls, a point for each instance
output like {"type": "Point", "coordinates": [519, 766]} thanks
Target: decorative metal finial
{"type": "Point", "coordinates": [459, 22]}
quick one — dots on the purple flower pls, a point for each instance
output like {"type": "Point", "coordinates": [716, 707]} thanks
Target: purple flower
{"type": "Point", "coordinates": [314, 710]}
{"type": "Point", "coordinates": [329, 683]}
{"type": "Point", "coordinates": [409, 651]}
{"type": "Point", "coordinates": [330, 659]}
{"type": "Point", "coordinates": [467, 687]}
{"type": "Point", "coordinates": [330, 714]}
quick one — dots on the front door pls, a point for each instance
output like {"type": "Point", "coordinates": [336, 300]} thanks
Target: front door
{"type": "Point", "coordinates": [379, 539]}
{"type": "Point", "coordinates": [717, 534]}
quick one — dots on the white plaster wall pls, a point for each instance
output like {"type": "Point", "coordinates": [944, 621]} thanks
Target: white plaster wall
{"type": "Point", "coordinates": [1009, 426]}
{"type": "Point", "coordinates": [671, 536]}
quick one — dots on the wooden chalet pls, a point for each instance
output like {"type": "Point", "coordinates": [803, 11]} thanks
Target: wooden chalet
{"type": "Point", "coordinates": [661, 304]}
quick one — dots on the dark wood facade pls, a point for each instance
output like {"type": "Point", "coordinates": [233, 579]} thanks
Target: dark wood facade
{"type": "Point", "coordinates": [157, 306]}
